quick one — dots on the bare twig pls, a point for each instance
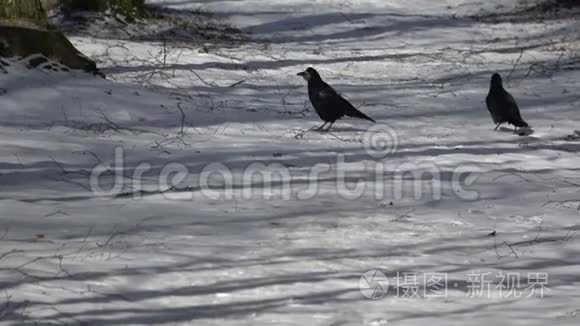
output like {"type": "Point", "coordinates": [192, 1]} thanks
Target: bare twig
{"type": "Point", "coordinates": [516, 64]}
{"type": "Point", "coordinates": [346, 17]}
{"type": "Point", "coordinates": [512, 249]}
{"type": "Point", "coordinates": [110, 238]}
{"type": "Point", "coordinates": [182, 118]}
{"type": "Point", "coordinates": [177, 139]}
{"type": "Point", "coordinates": [5, 231]}
{"type": "Point", "coordinates": [212, 84]}
{"type": "Point", "coordinates": [301, 134]}
{"type": "Point", "coordinates": [237, 83]}
{"type": "Point", "coordinates": [8, 253]}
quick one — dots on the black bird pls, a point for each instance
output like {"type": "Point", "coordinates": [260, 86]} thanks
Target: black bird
{"type": "Point", "coordinates": [502, 106]}
{"type": "Point", "coordinates": [329, 105]}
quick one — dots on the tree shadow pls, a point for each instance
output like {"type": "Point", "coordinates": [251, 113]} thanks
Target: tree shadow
{"type": "Point", "coordinates": [129, 305]}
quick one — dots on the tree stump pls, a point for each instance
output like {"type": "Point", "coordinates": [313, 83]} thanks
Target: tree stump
{"type": "Point", "coordinates": [24, 31]}
{"type": "Point", "coordinates": [16, 41]}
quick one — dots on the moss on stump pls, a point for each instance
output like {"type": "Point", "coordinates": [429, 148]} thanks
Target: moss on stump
{"type": "Point", "coordinates": [22, 12]}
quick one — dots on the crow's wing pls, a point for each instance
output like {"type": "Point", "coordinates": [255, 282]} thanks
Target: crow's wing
{"type": "Point", "coordinates": [492, 108]}
{"type": "Point", "coordinates": [326, 101]}
{"type": "Point", "coordinates": [513, 111]}
{"type": "Point", "coordinates": [342, 104]}
{"type": "Point", "coordinates": [330, 99]}
{"type": "Point", "coordinates": [327, 93]}
{"type": "Point", "coordinates": [329, 104]}
{"type": "Point", "coordinates": [489, 104]}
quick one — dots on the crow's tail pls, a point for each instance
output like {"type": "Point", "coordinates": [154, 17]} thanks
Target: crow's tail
{"type": "Point", "coordinates": [353, 112]}
{"type": "Point", "coordinates": [520, 124]}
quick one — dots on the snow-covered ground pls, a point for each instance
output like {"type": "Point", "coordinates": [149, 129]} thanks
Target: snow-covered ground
{"type": "Point", "coordinates": [138, 199]}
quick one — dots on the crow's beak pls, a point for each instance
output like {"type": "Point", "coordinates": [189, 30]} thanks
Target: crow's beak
{"type": "Point", "coordinates": [302, 73]}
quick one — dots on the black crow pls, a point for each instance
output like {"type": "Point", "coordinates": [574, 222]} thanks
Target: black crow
{"type": "Point", "coordinates": [329, 105]}
{"type": "Point", "coordinates": [502, 106]}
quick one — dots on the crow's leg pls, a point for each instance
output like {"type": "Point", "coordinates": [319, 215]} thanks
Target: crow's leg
{"type": "Point", "coordinates": [320, 128]}
{"type": "Point", "coordinates": [497, 126]}
{"type": "Point", "coordinates": [328, 128]}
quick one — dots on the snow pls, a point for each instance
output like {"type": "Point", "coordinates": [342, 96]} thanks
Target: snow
{"type": "Point", "coordinates": [174, 245]}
